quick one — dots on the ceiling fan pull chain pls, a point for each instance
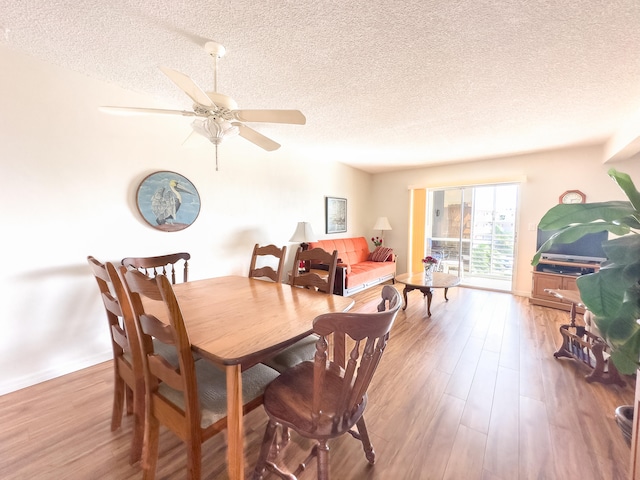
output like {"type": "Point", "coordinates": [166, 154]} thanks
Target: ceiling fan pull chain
{"type": "Point", "coordinates": [216, 157]}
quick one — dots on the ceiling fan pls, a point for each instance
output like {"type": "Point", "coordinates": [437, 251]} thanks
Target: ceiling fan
{"type": "Point", "coordinates": [218, 116]}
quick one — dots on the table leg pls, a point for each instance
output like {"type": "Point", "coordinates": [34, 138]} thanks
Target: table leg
{"type": "Point", "coordinates": [428, 294]}
{"type": "Point", "coordinates": [404, 294]}
{"type": "Point", "coordinates": [445, 294]}
{"type": "Point", "coordinates": [235, 447]}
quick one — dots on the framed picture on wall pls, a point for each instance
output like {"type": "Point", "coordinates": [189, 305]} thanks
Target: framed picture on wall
{"type": "Point", "coordinates": [168, 201]}
{"type": "Point", "coordinates": [335, 214]}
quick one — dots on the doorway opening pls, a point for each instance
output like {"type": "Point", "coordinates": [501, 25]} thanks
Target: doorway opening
{"type": "Point", "coordinates": [471, 230]}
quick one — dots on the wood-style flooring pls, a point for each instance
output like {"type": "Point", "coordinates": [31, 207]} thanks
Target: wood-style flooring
{"type": "Point", "coordinates": [472, 392]}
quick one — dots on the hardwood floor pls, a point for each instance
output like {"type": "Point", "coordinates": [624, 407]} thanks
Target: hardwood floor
{"type": "Point", "coordinates": [473, 392]}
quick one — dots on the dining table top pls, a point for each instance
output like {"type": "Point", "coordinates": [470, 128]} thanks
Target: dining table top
{"type": "Point", "coordinates": [234, 319]}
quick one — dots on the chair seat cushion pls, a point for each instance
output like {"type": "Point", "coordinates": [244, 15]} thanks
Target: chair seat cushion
{"type": "Point", "coordinates": [299, 352]}
{"type": "Point", "coordinates": [288, 400]}
{"type": "Point", "coordinates": [212, 389]}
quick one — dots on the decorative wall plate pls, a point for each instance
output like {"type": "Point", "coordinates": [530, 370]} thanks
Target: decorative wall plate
{"type": "Point", "coordinates": [168, 201]}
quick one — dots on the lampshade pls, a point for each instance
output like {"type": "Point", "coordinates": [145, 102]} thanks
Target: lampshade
{"type": "Point", "coordinates": [382, 224]}
{"type": "Point", "coordinates": [304, 233]}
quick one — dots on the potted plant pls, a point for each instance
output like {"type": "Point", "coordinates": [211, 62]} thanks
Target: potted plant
{"type": "Point", "coordinates": [612, 293]}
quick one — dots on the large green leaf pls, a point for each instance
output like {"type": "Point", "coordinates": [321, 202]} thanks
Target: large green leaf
{"type": "Point", "coordinates": [623, 250]}
{"type": "Point", "coordinates": [619, 329]}
{"type": "Point", "coordinates": [625, 356]}
{"type": "Point", "coordinates": [626, 184]}
{"type": "Point", "coordinates": [603, 292]}
{"type": "Point", "coordinates": [581, 213]}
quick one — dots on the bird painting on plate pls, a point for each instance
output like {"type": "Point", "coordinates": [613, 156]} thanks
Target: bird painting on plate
{"type": "Point", "coordinates": [168, 201]}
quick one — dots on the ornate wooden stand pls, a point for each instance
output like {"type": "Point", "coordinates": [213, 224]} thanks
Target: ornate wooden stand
{"type": "Point", "coordinates": [584, 346]}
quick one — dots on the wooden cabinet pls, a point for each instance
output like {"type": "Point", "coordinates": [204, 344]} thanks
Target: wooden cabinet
{"type": "Point", "coordinates": [557, 276]}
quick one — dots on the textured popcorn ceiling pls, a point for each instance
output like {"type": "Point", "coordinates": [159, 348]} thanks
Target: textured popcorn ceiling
{"type": "Point", "coordinates": [383, 84]}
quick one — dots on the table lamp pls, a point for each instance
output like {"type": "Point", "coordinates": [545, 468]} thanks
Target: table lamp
{"type": "Point", "coordinates": [303, 234]}
{"type": "Point", "coordinates": [382, 224]}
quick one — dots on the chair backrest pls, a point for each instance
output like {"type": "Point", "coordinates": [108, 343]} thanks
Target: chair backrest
{"type": "Point", "coordinates": [127, 359]}
{"type": "Point", "coordinates": [133, 342]}
{"type": "Point", "coordinates": [317, 259]}
{"type": "Point", "coordinates": [369, 333]}
{"type": "Point", "coordinates": [158, 372]}
{"type": "Point", "coordinates": [267, 270]}
{"type": "Point", "coordinates": [162, 264]}
{"type": "Point", "coordinates": [117, 329]}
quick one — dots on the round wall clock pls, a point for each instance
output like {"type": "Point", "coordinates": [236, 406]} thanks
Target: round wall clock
{"type": "Point", "coordinates": [573, 196]}
{"type": "Point", "coordinates": [168, 201]}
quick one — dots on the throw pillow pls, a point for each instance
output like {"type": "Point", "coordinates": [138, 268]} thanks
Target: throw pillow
{"type": "Point", "coordinates": [381, 254]}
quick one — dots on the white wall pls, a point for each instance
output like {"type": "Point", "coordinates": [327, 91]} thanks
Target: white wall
{"type": "Point", "coordinates": [70, 174]}
{"type": "Point", "coordinates": [545, 176]}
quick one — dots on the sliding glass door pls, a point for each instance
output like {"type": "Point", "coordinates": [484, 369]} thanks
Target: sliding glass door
{"type": "Point", "coordinates": [472, 231]}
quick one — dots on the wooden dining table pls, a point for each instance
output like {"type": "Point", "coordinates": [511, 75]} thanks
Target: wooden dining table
{"type": "Point", "coordinates": [236, 322]}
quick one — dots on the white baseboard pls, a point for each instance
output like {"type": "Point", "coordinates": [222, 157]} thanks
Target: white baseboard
{"type": "Point", "coordinates": [52, 372]}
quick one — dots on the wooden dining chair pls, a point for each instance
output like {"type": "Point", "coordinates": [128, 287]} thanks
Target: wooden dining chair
{"type": "Point", "coordinates": [190, 400]}
{"type": "Point", "coordinates": [127, 366]}
{"type": "Point", "coordinates": [164, 264]}
{"type": "Point", "coordinates": [318, 261]}
{"type": "Point", "coordinates": [325, 398]}
{"type": "Point", "coordinates": [305, 348]}
{"type": "Point", "coordinates": [267, 252]}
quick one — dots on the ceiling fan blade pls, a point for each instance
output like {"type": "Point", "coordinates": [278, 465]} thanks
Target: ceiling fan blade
{"type": "Point", "coordinates": [146, 111]}
{"type": "Point", "coordinates": [188, 86]}
{"type": "Point", "coordinates": [271, 116]}
{"type": "Point", "coordinates": [260, 140]}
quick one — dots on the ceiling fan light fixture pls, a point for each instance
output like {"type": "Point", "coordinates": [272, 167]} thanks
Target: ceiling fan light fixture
{"type": "Point", "coordinates": [215, 129]}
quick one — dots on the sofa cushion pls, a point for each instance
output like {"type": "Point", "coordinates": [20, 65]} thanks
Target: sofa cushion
{"type": "Point", "coordinates": [367, 271]}
{"type": "Point", "coordinates": [350, 250]}
{"type": "Point", "coordinates": [381, 254]}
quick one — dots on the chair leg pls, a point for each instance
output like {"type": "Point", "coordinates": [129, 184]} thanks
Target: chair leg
{"type": "Point", "coordinates": [150, 453]}
{"type": "Point", "coordinates": [118, 401]}
{"type": "Point", "coordinates": [323, 460]}
{"type": "Point", "coordinates": [194, 458]}
{"type": "Point", "coordinates": [366, 441]}
{"type": "Point", "coordinates": [285, 437]}
{"type": "Point", "coordinates": [138, 424]}
{"type": "Point", "coordinates": [265, 450]}
{"type": "Point", "coordinates": [130, 399]}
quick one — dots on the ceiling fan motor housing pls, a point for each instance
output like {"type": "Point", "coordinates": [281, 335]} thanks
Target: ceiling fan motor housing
{"type": "Point", "coordinates": [222, 100]}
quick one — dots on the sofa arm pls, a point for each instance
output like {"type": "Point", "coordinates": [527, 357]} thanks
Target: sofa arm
{"type": "Point", "coordinates": [340, 280]}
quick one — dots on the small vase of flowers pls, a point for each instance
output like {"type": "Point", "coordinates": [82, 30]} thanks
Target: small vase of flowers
{"type": "Point", "coordinates": [430, 264]}
{"type": "Point", "coordinates": [377, 241]}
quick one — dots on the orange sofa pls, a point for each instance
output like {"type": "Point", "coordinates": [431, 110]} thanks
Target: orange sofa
{"type": "Point", "coordinates": [358, 268]}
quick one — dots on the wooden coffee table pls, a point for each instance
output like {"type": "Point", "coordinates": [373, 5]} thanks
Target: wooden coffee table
{"type": "Point", "coordinates": [417, 281]}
